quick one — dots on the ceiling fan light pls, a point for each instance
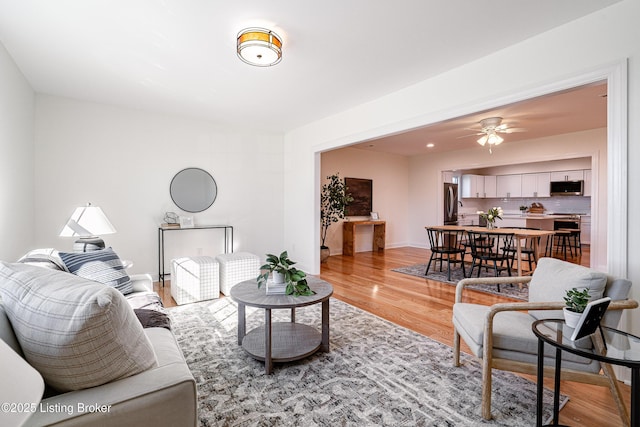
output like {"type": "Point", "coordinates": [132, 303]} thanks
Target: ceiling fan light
{"type": "Point", "coordinates": [482, 140]}
{"type": "Point", "coordinates": [494, 139]}
{"type": "Point", "coordinates": [259, 47]}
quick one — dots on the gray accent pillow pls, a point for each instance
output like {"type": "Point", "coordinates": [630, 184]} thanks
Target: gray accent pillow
{"type": "Point", "coordinates": [102, 266]}
{"type": "Point", "coordinates": [75, 332]}
{"type": "Point", "coordinates": [553, 277]}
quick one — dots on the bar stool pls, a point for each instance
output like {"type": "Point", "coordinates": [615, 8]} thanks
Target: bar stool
{"type": "Point", "coordinates": [559, 241]}
{"type": "Point", "coordinates": [576, 240]}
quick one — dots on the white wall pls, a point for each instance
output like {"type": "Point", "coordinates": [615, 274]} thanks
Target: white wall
{"type": "Point", "coordinates": [545, 61]}
{"type": "Point", "coordinates": [16, 160]}
{"type": "Point", "coordinates": [123, 160]}
{"type": "Point", "coordinates": [389, 174]}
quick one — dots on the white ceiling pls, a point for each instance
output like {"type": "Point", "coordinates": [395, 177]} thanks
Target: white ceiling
{"type": "Point", "coordinates": [575, 110]}
{"type": "Point", "coordinates": [178, 56]}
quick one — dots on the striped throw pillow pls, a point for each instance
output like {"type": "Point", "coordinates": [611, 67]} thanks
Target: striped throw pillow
{"type": "Point", "coordinates": [77, 333]}
{"type": "Point", "coordinates": [102, 266]}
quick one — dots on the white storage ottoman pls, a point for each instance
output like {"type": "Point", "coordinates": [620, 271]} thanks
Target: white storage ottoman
{"type": "Point", "coordinates": [194, 279]}
{"type": "Point", "coordinates": [237, 267]}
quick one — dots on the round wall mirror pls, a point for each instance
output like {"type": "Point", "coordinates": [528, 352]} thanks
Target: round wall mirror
{"type": "Point", "coordinates": [193, 190]}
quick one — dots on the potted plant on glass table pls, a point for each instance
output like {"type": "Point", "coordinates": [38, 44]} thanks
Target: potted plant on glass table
{"type": "Point", "coordinates": [576, 301]}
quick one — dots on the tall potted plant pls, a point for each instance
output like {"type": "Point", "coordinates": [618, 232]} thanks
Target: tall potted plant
{"type": "Point", "coordinates": [333, 199]}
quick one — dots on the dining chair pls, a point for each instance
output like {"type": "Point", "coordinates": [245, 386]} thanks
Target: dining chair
{"type": "Point", "coordinates": [528, 247]}
{"type": "Point", "coordinates": [446, 245]}
{"type": "Point", "coordinates": [501, 335]}
{"type": "Point", "coordinates": [486, 251]}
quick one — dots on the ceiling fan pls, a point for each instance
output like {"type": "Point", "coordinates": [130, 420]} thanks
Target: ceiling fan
{"type": "Point", "coordinates": [490, 128]}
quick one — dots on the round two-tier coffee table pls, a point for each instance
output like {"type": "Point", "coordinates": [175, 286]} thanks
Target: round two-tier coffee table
{"type": "Point", "coordinates": [281, 341]}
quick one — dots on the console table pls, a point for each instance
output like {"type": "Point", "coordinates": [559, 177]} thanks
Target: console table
{"type": "Point", "coordinates": [349, 233]}
{"type": "Point", "coordinates": [228, 242]}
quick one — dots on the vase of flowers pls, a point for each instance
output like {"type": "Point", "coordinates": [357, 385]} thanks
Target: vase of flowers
{"type": "Point", "coordinates": [491, 215]}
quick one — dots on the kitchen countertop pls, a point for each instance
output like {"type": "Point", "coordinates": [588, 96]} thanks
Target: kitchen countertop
{"type": "Point", "coordinates": [467, 218]}
{"type": "Point", "coordinates": [541, 216]}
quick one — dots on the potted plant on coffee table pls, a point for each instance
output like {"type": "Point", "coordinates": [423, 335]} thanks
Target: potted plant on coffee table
{"type": "Point", "coordinates": [282, 271]}
{"type": "Point", "coordinates": [576, 301]}
{"type": "Point", "coordinates": [333, 199]}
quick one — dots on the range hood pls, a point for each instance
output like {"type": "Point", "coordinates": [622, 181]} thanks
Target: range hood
{"type": "Point", "coordinates": [567, 188]}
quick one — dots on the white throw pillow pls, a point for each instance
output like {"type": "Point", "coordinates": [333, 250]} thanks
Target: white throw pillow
{"type": "Point", "coordinates": [77, 333]}
{"type": "Point", "coordinates": [45, 258]}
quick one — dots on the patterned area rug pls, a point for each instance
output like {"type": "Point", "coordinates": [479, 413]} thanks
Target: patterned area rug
{"type": "Point", "coordinates": [376, 374]}
{"type": "Point", "coordinates": [456, 275]}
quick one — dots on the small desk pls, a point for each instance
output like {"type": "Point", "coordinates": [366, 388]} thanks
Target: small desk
{"type": "Point", "coordinates": [281, 341]}
{"type": "Point", "coordinates": [228, 243]}
{"type": "Point", "coordinates": [349, 234]}
{"type": "Point", "coordinates": [556, 333]}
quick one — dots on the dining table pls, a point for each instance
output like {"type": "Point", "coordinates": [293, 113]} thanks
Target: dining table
{"type": "Point", "coordinates": [519, 235]}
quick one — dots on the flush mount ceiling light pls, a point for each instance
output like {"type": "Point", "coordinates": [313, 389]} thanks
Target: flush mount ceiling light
{"type": "Point", "coordinates": [259, 47]}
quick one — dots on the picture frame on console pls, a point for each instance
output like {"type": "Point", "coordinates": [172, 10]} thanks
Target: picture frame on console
{"type": "Point", "coordinates": [186, 222]}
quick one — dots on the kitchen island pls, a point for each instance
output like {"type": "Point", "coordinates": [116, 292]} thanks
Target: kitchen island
{"type": "Point", "coordinates": [540, 221]}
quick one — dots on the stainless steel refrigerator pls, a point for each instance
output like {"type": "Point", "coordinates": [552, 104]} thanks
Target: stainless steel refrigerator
{"type": "Point", "coordinates": [450, 204]}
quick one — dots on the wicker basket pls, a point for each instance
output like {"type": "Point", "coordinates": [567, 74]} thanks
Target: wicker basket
{"type": "Point", "coordinates": [536, 208]}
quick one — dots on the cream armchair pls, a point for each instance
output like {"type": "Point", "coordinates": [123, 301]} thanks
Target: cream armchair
{"type": "Point", "coordinates": [502, 337]}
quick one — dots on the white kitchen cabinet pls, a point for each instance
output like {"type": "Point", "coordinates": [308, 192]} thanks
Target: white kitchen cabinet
{"type": "Point", "coordinates": [509, 186]}
{"type": "Point", "coordinates": [585, 229]}
{"type": "Point", "coordinates": [472, 186]}
{"type": "Point", "coordinates": [577, 175]}
{"type": "Point", "coordinates": [490, 186]}
{"type": "Point", "coordinates": [587, 183]}
{"type": "Point", "coordinates": [536, 184]}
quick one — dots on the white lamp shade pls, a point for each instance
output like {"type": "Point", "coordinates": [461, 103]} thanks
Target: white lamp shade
{"type": "Point", "coordinates": [87, 221]}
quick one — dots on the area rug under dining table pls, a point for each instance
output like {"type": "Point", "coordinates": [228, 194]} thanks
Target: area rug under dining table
{"type": "Point", "coordinates": [511, 291]}
{"type": "Point", "coordinates": [376, 374]}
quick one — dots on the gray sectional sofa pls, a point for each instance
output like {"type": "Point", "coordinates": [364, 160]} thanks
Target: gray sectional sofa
{"type": "Point", "coordinates": [161, 395]}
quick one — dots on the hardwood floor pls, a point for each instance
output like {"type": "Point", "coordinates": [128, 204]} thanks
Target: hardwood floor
{"type": "Point", "coordinates": [366, 281]}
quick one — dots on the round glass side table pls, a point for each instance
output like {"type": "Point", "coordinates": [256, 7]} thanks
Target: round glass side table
{"type": "Point", "coordinates": [610, 346]}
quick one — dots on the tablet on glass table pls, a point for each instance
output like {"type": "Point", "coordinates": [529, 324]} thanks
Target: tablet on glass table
{"type": "Point", "coordinates": [590, 318]}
